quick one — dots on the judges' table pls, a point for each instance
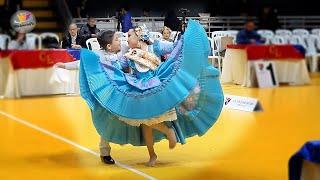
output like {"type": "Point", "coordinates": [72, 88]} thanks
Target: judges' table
{"type": "Point", "coordinates": [28, 72]}
{"type": "Point", "coordinates": [289, 60]}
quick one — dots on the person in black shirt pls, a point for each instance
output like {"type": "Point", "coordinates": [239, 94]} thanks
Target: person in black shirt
{"type": "Point", "coordinates": [171, 21]}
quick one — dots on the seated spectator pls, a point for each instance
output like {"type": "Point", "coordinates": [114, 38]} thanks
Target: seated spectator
{"type": "Point", "coordinates": [249, 35]}
{"type": "Point", "coordinates": [166, 32]}
{"type": "Point", "coordinates": [73, 39]}
{"type": "Point", "coordinates": [90, 29]}
{"type": "Point", "coordinates": [19, 42]}
{"type": "Point", "coordinates": [166, 37]}
{"type": "Point", "coordinates": [50, 43]}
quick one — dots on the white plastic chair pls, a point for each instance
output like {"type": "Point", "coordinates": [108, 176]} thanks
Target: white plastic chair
{"type": "Point", "coordinates": [174, 36]}
{"type": "Point", "coordinates": [313, 45]}
{"type": "Point", "coordinates": [283, 32]}
{"type": "Point", "coordinates": [217, 45]}
{"type": "Point", "coordinates": [296, 39]}
{"type": "Point", "coordinates": [216, 36]}
{"type": "Point", "coordinates": [155, 35]}
{"type": "Point", "coordinates": [4, 41]}
{"type": "Point", "coordinates": [233, 33]}
{"type": "Point", "coordinates": [300, 32]}
{"type": "Point", "coordinates": [278, 40]}
{"type": "Point", "coordinates": [315, 32]}
{"type": "Point", "coordinates": [31, 39]}
{"type": "Point", "coordinates": [215, 54]}
{"type": "Point", "coordinates": [265, 32]}
{"type": "Point", "coordinates": [47, 34]}
{"type": "Point", "coordinates": [93, 44]}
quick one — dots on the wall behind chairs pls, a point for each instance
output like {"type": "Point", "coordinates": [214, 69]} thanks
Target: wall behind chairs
{"type": "Point", "coordinates": [103, 8]}
{"type": "Point", "coordinates": [292, 7]}
{"type": "Point", "coordinates": [100, 8]}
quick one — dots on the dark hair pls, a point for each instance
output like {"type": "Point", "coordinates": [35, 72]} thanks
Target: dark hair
{"type": "Point", "coordinates": [90, 17]}
{"type": "Point", "coordinates": [249, 20]}
{"type": "Point", "coordinates": [105, 38]}
{"type": "Point", "coordinates": [125, 6]}
{"type": "Point", "coordinates": [145, 9]}
{"type": "Point", "coordinates": [49, 42]}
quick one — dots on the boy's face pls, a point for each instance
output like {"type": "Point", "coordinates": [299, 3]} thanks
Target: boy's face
{"type": "Point", "coordinates": [133, 39]}
{"type": "Point", "coordinates": [116, 45]}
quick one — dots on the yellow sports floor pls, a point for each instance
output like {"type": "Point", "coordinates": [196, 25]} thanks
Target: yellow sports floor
{"type": "Point", "coordinates": [54, 138]}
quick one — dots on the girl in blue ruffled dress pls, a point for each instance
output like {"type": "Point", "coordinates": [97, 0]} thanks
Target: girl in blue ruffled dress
{"type": "Point", "coordinates": [176, 99]}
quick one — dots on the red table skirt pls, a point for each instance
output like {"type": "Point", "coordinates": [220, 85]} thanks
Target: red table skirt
{"type": "Point", "coordinates": [29, 59]}
{"type": "Point", "coordinates": [279, 52]}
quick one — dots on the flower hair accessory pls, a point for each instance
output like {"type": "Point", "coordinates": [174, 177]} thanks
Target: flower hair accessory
{"type": "Point", "coordinates": [145, 34]}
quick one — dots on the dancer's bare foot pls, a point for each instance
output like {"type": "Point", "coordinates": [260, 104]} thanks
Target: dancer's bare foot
{"type": "Point", "coordinates": [152, 161]}
{"type": "Point", "coordinates": [172, 138]}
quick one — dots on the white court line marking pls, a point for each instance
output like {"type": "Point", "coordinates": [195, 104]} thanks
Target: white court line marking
{"type": "Point", "coordinates": [26, 123]}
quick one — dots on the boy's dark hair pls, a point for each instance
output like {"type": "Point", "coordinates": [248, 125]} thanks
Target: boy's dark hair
{"type": "Point", "coordinates": [105, 38]}
{"type": "Point", "coordinates": [49, 43]}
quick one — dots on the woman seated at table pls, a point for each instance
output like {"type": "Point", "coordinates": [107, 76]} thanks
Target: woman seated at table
{"type": "Point", "coordinates": [19, 42]}
{"type": "Point", "coordinates": [248, 35]}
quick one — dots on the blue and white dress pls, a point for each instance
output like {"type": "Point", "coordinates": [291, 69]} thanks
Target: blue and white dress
{"type": "Point", "coordinates": [185, 84]}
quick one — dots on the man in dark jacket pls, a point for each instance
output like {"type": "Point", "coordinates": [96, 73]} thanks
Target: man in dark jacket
{"type": "Point", "coordinates": [90, 29]}
{"type": "Point", "coordinates": [73, 39]}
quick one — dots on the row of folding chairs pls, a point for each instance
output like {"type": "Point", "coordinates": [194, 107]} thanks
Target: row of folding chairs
{"type": "Point", "coordinates": [309, 40]}
{"type": "Point", "coordinates": [34, 40]}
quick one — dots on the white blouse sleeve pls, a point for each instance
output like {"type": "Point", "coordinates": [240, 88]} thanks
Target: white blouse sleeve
{"type": "Point", "coordinates": [74, 65]}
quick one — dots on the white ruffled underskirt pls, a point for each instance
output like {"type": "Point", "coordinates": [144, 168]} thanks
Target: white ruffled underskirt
{"type": "Point", "coordinates": [168, 116]}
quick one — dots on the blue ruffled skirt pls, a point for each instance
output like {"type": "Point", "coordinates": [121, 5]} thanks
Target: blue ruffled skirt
{"type": "Point", "coordinates": [185, 82]}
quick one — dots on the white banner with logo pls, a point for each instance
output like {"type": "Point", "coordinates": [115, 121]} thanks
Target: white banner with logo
{"type": "Point", "coordinates": [241, 103]}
